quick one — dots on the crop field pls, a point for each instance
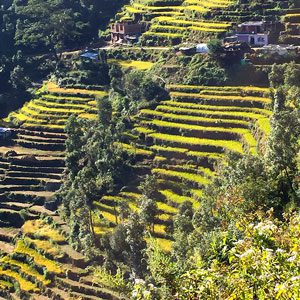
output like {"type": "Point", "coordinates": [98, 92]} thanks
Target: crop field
{"type": "Point", "coordinates": [42, 263]}
{"type": "Point", "coordinates": [184, 137]}
{"type": "Point", "coordinates": [28, 180]}
{"type": "Point", "coordinates": [178, 142]}
{"type": "Point", "coordinates": [35, 171]}
{"type": "Point", "coordinates": [291, 21]}
{"type": "Point", "coordinates": [174, 21]}
{"type": "Point", "coordinates": [36, 260]}
{"type": "Point", "coordinates": [132, 64]}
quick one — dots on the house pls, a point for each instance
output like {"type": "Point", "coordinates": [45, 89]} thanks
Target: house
{"type": "Point", "coordinates": [5, 133]}
{"type": "Point", "coordinates": [255, 33]}
{"type": "Point", "coordinates": [126, 32]}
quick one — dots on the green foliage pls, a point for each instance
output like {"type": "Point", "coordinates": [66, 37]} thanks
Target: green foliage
{"type": "Point", "coordinates": [204, 72]}
{"type": "Point", "coordinates": [115, 282]}
{"type": "Point", "coordinates": [282, 152]}
{"type": "Point", "coordinates": [83, 72]}
{"type": "Point", "coordinates": [95, 166]}
{"type": "Point", "coordinates": [148, 211]}
{"type": "Point", "coordinates": [127, 244]}
{"type": "Point", "coordinates": [183, 226]}
{"type": "Point", "coordinates": [52, 24]}
{"type": "Point", "coordinates": [163, 270]}
{"type": "Point", "coordinates": [149, 186]}
{"type": "Point", "coordinates": [215, 48]}
{"type": "Point", "coordinates": [262, 264]}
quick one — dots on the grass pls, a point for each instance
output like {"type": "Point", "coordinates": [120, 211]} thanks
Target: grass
{"type": "Point", "coordinates": [166, 208]}
{"type": "Point", "coordinates": [187, 118]}
{"type": "Point", "coordinates": [169, 149]}
{"type": "Point", "coordinates": [54, 88]}
{"type": "Point", "coordinates": [209, 155]}
{"type": "Point", "coordinates": [177, 199]}
{"type": "Point", "coordinates": [134, 150]}
{"type": "Point", "coordinates": [45, 246]}
{"type": "Point", "coordinates": [264, 125]}
{"type": "Point", "coordinates": [51, 111]}
{"type": "Point", "coordinates": [263, 100]}
{"type": "Point", "coordinates": [165, 244]}
{"type": "Point", "coordinates": [188, 127]}
{"type": "Point", "coordinates": [207, 112]}
{"type": "Point", "coordinates": [239, 89]}
{"type": "Point", "coordinates": [191, 177]}
{"type": "Point", "coordinates": [5, 285]}
{"type": "Point", "coordinates": [185, 23]}
{"type": "Point", "coordinates": [195, 106]}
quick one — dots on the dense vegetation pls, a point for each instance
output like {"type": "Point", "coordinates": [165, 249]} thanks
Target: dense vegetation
{"type": "Point", "coordinates": [33, 35]}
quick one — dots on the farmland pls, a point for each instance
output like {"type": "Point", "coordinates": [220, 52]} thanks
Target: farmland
{"type": "Point", "coordinates": [148, 171]}
{"type": "Point", "coordinates": [184, 137]}
{"type": "Point", "coordinates": [29, 179]}
{"type": "Point", "coordinates": [174, 21]}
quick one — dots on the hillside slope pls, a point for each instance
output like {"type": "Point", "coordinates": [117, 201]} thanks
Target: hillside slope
{"type": "Point", "coordinates": [179, 143]}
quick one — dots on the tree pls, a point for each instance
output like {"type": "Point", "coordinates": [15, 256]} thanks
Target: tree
{"type": "Point", "coordinates": [95, 166]}
{"type": "Point", "coordinates": [215, 48]}
{"type": "Point", "coordinates": [149, 186]}
{"type": "Point", "coordinates": [49, 24]}
{"type": "Point", "coordinates": [276, 76]}
{"type": "Point", "coordinates": [183, 226]}
{"type": "Point", "coordinates": [137, 245]}
{"type": "Point", "coordinates": [104, 111]}
{"type": "Point", "coordinates": [148, 212]}
{"type": "Point", "coordinates": [283, 149]}
{"type": "Point", "coordinates": [163, 269]}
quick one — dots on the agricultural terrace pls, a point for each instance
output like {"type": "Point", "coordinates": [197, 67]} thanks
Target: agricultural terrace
{"type": "Point", "coordinates": [184, 137]}
{"type": "Point", "coordinates": [34, 173]}
{"type": "Point", "coordinates": [38, 264]}
{"type": "Point", "coordinates": [42, 120]}
{"type": "Point", "coordinates": [291, 21]}
{"type": "Point", "coordinates": [174, 21]}
{"type": "Point", "coordinates": [132, 64]}
{"type": "Point", "coordinates": [29, 177]}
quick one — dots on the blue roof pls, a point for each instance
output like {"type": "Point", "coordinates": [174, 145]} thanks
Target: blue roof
{"type": "Point", "coordinates": [3, 130]}
{"type": "Point", "coordinates": [90, 55]}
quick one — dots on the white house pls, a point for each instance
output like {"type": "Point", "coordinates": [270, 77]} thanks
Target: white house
{"type": "Point", "coordinates": [254, 33]}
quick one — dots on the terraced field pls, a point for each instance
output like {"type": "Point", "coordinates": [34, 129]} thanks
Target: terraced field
{"type": "Point", "coordinates": [174, 21]}
{"type": "Point", "coordinates": [132, 64]}
{"type": "Point", "coordinates": [180, 141]}
{"type": "Point", "coordinates": [291, 21]}
{"type": "Point", "coordinates": [36, 262]}
{"type": "Point", "coordinates": [31, 167]}
{"type": "Point", "coordinates": [41, 265]}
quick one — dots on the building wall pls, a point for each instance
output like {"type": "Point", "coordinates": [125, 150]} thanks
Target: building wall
{"type": "Point", "coordinates": [254, 39]}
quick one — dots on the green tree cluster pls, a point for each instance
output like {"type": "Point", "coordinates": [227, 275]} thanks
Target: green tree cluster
{"type": "Point", "coordinates": [95, 166]}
